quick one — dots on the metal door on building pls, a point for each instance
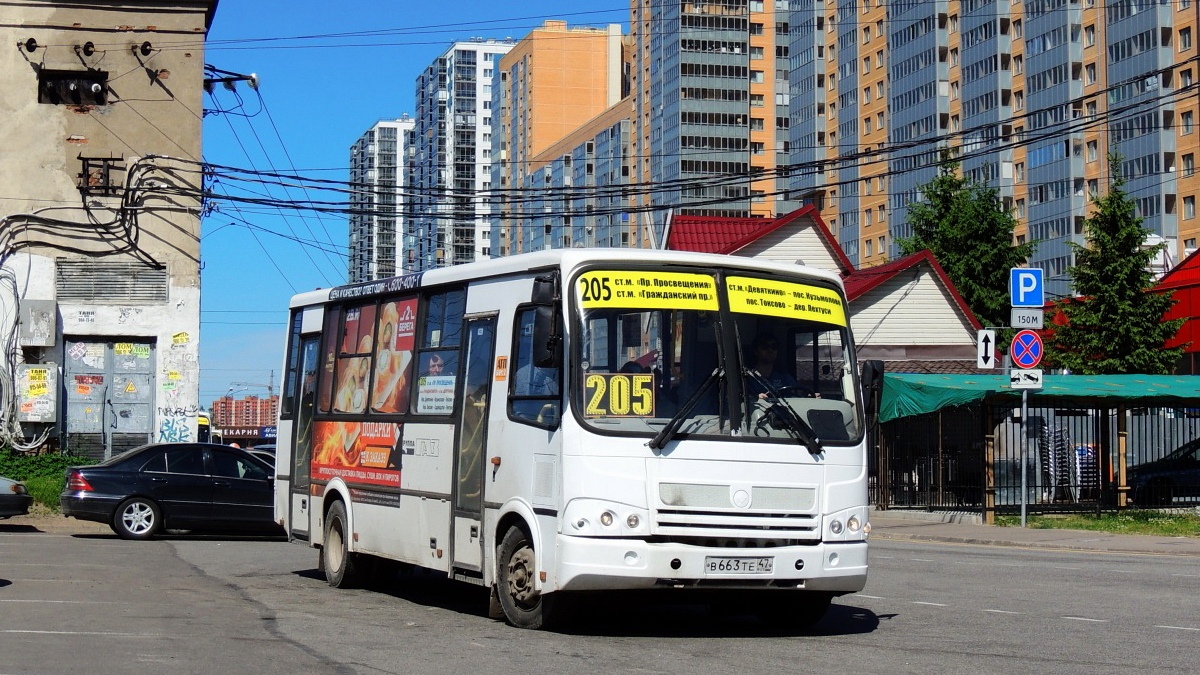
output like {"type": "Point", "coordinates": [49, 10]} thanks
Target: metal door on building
{"type": "Point", "coordinates": [110, 395]}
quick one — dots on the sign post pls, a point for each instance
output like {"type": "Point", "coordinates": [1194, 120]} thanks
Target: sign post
{"type": "Point", "coordinates": [1027, 290]}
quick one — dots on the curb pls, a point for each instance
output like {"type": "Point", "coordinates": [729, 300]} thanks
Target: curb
{"type": "Point", "coordinates": [1044, 545]}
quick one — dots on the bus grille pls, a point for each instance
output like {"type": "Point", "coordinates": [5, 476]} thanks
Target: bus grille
{"type": "Point", "coordinates": [736, 525]}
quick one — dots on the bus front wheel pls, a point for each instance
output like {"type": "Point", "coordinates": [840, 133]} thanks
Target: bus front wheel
{"type": "Point", "coordinates": [341, 566]}
{"type": "Point", "coordinates": [523, 605]}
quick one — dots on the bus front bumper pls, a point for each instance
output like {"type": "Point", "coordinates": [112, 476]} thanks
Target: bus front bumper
{"type": "Point", "coordinates": [589, 564]}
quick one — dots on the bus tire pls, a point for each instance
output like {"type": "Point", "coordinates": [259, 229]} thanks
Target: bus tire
{"type": "Point", "coordinates": [341, 565]}
{"type": "Point", "coordinates": [523, 605]}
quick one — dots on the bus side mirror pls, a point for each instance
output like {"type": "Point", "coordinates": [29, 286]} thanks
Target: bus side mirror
{"type": "Point", "coordinates": [547, 342]}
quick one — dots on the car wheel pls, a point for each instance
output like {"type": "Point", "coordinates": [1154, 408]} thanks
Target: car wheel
{"type": "Point", "coordinates": [341, 566]}
{"type": "Point", "coordinates": [523, 605]}
{"type": "Point", "coordinates": [137, 518]}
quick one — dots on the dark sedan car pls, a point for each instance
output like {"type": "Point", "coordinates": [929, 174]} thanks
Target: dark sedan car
{"type": "Point", "coordinates": [1160, 482]}
{"type": "Point", "coordinates": [14, 498]}
{"type": "Point", "coordinates": [177, 486]}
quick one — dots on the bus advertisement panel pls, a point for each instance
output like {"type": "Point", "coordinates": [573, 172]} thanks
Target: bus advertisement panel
{"type": "Point", "coordinates": [357, 452]}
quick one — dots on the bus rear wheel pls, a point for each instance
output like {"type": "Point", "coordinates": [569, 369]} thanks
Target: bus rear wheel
{"type": "Point", "coordinates": [341, 566]}
{"type": "Point", "coordinates": [524, 606]}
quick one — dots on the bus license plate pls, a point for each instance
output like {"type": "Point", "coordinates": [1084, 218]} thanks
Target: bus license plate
{"type": "Point", "coordinates": [726, 565]}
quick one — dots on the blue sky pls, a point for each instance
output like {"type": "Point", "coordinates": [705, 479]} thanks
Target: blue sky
{"type": "Point", "coordinates": [318, 95]}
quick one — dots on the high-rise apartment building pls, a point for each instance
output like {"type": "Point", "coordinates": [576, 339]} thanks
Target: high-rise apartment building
{"type": "Point", "coordinates": [711, 105]}
{"type": "Point", "coordinates": [377, 203]}
{"type": "Point", "coordinates": [449, 169]}
{"type": "Point", "coordinates": [251, 411]}
{"type": "Point", "coordinates": [1028, 96]}
{"type": "Point", "coordinates": [553, 82]}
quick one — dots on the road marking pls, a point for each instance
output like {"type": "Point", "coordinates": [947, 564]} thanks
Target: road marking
{"type": "Point", "coordinates": [920, 560]}
{"type": "Point", "coordinates": [67, 602]}
{"type": "Point", "coordinates": [882, 557]}
{"type": "Point", "coordinates": [873, 597]}
{"type": "Point", "coordinates": [1000, 611]}
{"type": "Point", "coordinates": [931, 604]}
{"type": "Point", "coordinates": [1084, 618]}
{"type": "Point", "coordinates": [1185, 575]}
{"type": "Point", "coordinates": [83, 632]}
{"type": "Point", "coordinates": [1178, 628]}
{"type": "Point", "coordinates": [1069, 569]}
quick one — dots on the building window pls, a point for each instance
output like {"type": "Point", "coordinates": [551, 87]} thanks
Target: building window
{"type": "Point", "coordinates": [1020, 171]}
{"type": "Point", "coordinates": [1091, 151]}
{"type": "Point", "coordinates": [1089, 36]}
{"type": "Point", "coordinates": [1019, 100]}
{"type": "Point", "coordinates": [1189, 122]}
{"type": "Point", "coordinates": [1185, 77]}
{"type": "Point", "coordinates": [866, 94]}
{"type": "Point", "coordinates": [954, 91]}
{"type": "Point", "coordinates": [1189, 164]}
{"type": "Point", "coordinates": [1020, 208]}
{"type": "Point", "coordinates": [1018, 64]}
{"type": "Point", "coordinates": [868, 243]}
{"type": "Point", "coordinates": [1016, 28]}
{"type": "Point", "coordinates": [1185, 39]}
{"type": "Point", "coordinates": [756, 77]}
{"type": "Point", "coordinates": [1089, 73]}
{"type": "Point", "coordinates": [756, 52]}
{"type": "Point", "coordinates": [1189, 207]}
{"type": "Point", "coordinates": [757, 101]}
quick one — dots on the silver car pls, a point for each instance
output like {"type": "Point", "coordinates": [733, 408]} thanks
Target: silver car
{"type": "Point", "coordinates": [14, 498]}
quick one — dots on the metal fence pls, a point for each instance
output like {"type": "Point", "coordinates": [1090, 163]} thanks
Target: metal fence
{"type": "Point", "coordinates": [1072, 459]}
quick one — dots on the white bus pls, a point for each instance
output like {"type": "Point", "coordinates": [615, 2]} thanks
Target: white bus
{"type": "Point", "coordinates": [582, 420]}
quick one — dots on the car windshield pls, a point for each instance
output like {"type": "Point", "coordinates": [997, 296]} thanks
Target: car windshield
{"type": "Point", "coordinates": [653, 343]}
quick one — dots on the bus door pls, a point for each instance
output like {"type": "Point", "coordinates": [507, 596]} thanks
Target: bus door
{"type": "Point", "coordinates": [301, 455]}
{"type": "Point", "coordinates": [473, 405]}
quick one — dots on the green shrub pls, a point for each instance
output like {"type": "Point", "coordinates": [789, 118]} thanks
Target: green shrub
{"type": "Point", "coordinates": [45, 490]}
{"type": "Point", "coordinates": [44, 474]}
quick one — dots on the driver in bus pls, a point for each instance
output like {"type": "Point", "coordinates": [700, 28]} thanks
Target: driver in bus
{"type": "Point", "coordinates": [764, 355]}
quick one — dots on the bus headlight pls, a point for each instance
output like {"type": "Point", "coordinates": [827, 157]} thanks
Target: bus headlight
{"type": "Point", "coordinates": [603, 518]}
{"type": "Point", "coordinates": [835, 527]}
{"type": "Point", "coordinates": [853, 524]}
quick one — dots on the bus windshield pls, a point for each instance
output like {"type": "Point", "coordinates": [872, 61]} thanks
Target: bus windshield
{"type": "Point", "coordinates": [724, 352]}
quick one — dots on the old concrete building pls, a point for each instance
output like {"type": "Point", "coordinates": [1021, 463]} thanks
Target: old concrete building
{"type": "Point", "coordinates": [100, 231]}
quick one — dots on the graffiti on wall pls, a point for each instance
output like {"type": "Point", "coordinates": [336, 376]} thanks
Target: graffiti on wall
{"type": "Point", "coordinates": [174, 430]}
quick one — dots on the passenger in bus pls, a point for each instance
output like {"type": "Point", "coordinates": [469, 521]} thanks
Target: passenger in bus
{"type": "Point", "coordinates": [433, 366]}
{"type": "Point", "coordinates": [764, 355]}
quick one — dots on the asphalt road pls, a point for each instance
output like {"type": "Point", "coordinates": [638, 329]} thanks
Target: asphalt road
{"type": "Point", "coordinates": [96, 604]}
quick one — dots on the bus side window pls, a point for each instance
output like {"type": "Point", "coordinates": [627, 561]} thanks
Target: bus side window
{"type": "Point", "coordinates": [436, 360]}
{"type": "Point", "coordinates": [534, 395]}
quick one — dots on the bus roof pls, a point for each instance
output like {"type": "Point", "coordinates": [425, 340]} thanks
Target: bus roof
{"type": "Point", "coordinates": [565, 258]}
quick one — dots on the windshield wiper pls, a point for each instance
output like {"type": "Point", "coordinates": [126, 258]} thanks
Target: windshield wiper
{"type": "Point", "coordinates": [666, 433]}
{"type": "Point", "coordinates": [796, 424]}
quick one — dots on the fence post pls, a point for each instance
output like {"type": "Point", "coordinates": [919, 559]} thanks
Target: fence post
{"type": "Point", "coordinates": [1122, 435]}
{"type": "Point", "coordinates": [989, 468]}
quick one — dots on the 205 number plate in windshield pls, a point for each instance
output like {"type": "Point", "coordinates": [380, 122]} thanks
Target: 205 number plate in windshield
{"type": "Point", "coordinates": [730, 565]}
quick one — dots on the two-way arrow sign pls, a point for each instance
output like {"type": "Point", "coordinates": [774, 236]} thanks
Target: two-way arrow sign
{"type": "Point", "coordinates": [985, 354]}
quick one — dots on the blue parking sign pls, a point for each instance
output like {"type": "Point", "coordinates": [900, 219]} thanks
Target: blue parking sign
{"type": "Point", "coordinates": [1026, 288]}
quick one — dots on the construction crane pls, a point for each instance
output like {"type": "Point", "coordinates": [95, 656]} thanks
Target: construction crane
{"type": "Point", "coordinates": [270, 386]}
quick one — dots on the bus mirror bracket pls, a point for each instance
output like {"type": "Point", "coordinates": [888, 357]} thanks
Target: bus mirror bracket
{"type": "Point", "coordinates": [547, 340]}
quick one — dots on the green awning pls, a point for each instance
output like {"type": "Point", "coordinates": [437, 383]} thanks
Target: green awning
{"type": "Point", "coordinates": [907, 394]}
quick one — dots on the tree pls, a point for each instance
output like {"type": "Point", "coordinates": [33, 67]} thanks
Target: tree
{"type": "Point", "coordinates": [1115, 325]}
{"type": "Point", "coordinates": [966, 227]}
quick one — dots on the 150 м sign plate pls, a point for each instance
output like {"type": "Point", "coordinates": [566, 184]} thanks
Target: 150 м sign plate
{"type": "Point", "coordinates": [1023, 317]}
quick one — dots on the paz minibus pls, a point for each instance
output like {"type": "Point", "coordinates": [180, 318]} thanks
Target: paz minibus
{"type": "Point", "coordinates": [562, 422]}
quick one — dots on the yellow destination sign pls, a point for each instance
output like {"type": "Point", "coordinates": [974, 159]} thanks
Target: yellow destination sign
{"type": "Point", "coordinates": [784, 298]}
{"type": "Point", "coordinates": [649, 289]}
